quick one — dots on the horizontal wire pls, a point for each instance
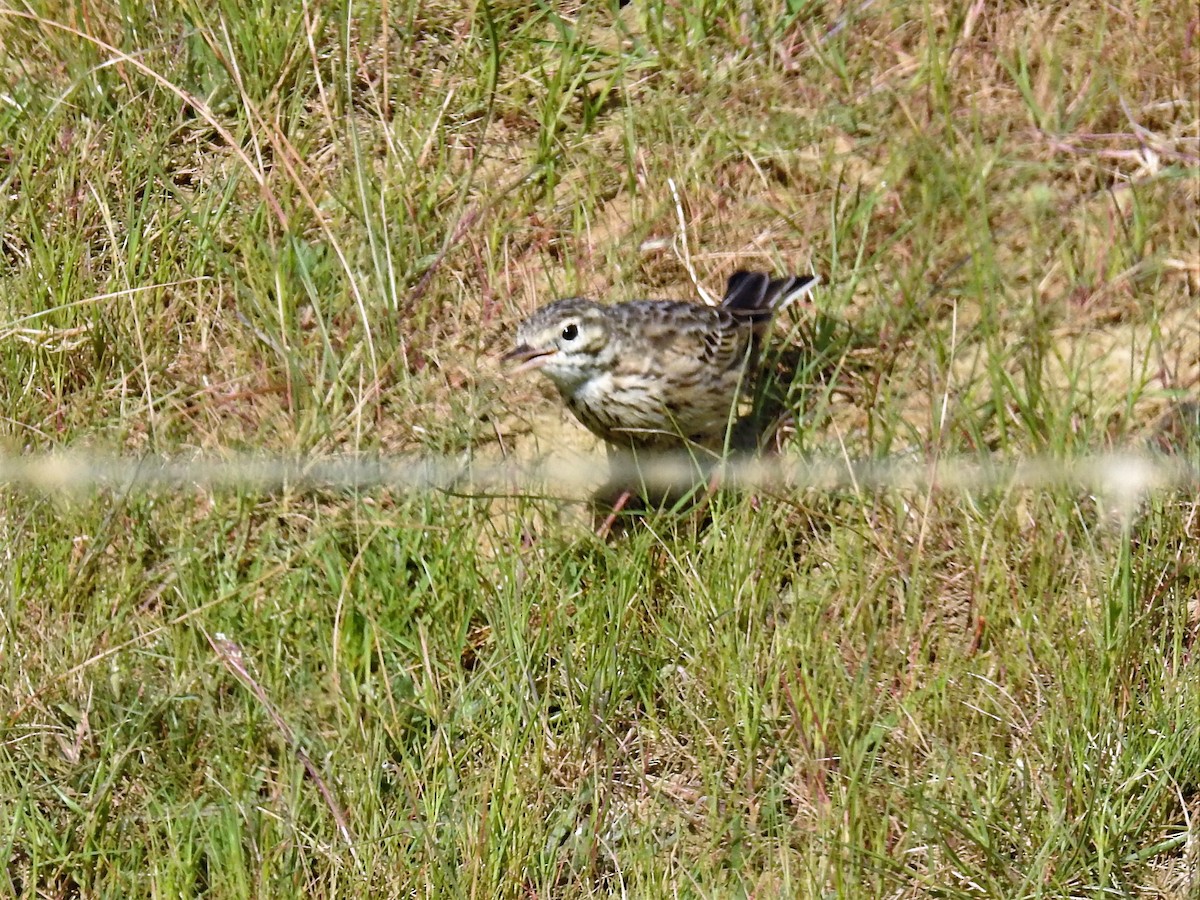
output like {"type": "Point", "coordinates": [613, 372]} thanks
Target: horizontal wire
{"type": "Point", "coordinates": [1128, 476]}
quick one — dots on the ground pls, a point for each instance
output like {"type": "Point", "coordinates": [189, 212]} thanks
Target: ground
{"type": "Point", "coordinates": [964, 667]}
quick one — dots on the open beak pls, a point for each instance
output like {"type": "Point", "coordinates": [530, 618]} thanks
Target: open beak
{"type": "Point", "coordinates": [527, 357]}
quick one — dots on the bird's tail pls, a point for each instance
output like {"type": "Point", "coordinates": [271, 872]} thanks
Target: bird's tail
{"type": "Point", "coordinates": [758, 296]}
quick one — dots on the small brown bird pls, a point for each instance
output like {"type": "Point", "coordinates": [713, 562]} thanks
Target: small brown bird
{"type": "Point", "coordinates": [648, 373]}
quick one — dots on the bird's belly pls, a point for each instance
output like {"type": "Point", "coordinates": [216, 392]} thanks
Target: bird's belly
{"type": "Point", "coordinates": [647, 407]}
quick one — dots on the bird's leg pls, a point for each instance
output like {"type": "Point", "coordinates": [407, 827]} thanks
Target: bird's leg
{"type": "Point", "coordinates": [611, 519]}
{"type": "Point", "coordinates": [619, 492]}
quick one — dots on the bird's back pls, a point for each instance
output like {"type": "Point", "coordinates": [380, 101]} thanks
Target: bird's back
{"type": "Point", "coordinates": [680, 375]}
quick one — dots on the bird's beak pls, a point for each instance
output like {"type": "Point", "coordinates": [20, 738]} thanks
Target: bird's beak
{"type": "Point", "coordinates": [527, 357]}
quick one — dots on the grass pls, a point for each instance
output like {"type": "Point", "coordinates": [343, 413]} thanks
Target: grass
{"type": "Point", "coordinates": [310, 230]}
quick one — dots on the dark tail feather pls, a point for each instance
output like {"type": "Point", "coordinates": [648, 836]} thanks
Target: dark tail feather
{"type": "Point", "coordinates": [758, 296]}
{"type": "Point", "coordinates": [746, 291]}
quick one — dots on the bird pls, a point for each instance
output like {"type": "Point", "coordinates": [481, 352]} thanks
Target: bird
{"type": "Point", "coordinates": [656, 374]}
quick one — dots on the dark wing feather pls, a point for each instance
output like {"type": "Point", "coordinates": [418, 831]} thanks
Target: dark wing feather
{"type": "Point", "coordinates": [728, 344]}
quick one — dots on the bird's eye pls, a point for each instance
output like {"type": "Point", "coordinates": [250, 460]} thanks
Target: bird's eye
{"type": "Point", "coordinates": [571, 332]}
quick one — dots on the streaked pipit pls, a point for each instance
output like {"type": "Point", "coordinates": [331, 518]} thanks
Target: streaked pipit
{"type": "Point", "coordinates": [656, 374]}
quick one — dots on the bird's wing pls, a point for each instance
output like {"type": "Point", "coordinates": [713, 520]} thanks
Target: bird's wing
{"type": "Point", "coordinates": [692, 339]}
{"type": "Point", "coordinates": [727, 345]}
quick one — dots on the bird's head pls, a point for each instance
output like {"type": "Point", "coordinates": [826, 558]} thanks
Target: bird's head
{"type": "Point", "coordinates": [566, 340]}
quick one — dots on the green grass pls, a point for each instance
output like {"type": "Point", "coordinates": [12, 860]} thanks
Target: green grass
{"type": "Point", "coordinates": [311, 230]}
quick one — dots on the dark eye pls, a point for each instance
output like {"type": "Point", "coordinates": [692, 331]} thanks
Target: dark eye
{"type": "Point", "coordinates": [571, 332]}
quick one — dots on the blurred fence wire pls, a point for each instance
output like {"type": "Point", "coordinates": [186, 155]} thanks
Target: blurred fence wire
{"type": "Point", "coordinates": [1121, 478]}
